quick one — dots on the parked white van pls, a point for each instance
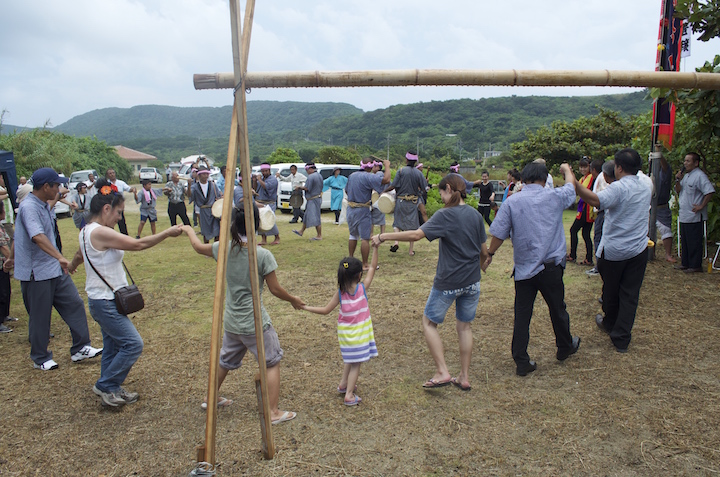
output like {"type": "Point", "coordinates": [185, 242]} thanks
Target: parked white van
{"type": "Point", "coordinates": [325, 170]}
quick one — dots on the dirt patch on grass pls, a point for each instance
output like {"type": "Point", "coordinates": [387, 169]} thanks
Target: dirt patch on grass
{"type": "Point", "coordinates": [653, 410]}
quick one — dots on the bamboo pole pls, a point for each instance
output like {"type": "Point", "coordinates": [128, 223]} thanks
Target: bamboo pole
{"type": "Point", "coordinates": [458, 77]}
{"type": "Point", "coordinates": [240, 116]}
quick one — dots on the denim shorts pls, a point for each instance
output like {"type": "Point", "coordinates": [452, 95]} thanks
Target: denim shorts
{"type": "Point", "coordinates": [466, 301]}
{"type": "Point", "coordinates": [235, 346]}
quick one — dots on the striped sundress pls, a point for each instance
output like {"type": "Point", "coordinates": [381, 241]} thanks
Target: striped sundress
{"type": "Point", "coordinates": [355, 330]}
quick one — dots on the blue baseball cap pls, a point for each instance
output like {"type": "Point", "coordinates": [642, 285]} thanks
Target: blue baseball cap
{"type": "Point", "coordinates": [47, 175]}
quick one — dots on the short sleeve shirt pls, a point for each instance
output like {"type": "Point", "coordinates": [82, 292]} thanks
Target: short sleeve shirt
{"type": "Point", "coordinates": [695, 185]}
{"type": "Point", "coordinates": [34, 218]}
{"type": "Point", "coordinates": [459, 252]}
{"type": "Point", "coordinates": [314, 185]}
{"type": "Point", "coordinates": [239, 317]}
{"type": "Point", "coordinates": [626, 203]}
{"type": "Point", "coordinates": [269, 192]}
{"type": "Point", "coordinates": [360, 186]}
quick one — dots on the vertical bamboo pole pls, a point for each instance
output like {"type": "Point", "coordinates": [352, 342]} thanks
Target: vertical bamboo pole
{"type": "Point", "coordinates": [240, 57]}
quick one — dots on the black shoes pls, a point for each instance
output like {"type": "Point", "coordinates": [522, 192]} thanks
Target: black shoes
{"type": "Point", "coordinates": [600, 323]}
{"type": "Point", "coordinates": [693, 270]}
{"type": "Point", "coordinates": [563, 355]}
{"type": "Point", "coordinates": [527, 369]}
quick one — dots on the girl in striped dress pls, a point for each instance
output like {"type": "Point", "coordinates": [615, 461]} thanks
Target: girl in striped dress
{"type": "Point", "coordinates": [355, 330]}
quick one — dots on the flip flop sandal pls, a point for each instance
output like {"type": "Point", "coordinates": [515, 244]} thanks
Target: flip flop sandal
{"type": "Point", "coordinates": [433, 383]}
{"type": "Point", "coordinates": [296, 232]}
{"type": "Point", "coordinates": [459, 385]}
{"type": "Point", "coordinates": [394, 248]}
{"type": "Point", "coordinates": [356, 400]}
{"type": "Point", "coordinates": [286, 416]}
{"type": "Point", "coordinates": [343, 391]}
{"type": "Point", "coordinates": [223, 402]}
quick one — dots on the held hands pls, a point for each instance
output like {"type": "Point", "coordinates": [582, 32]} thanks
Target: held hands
{"type": "Point", "coordinates": [487, 263]}
{"type": "Point", "coordinates": [565, 167]}
{"type": "Point", "coordinates": [176, 230]}
{"type": "Point", "coordinates": [297, 303]}
{"type": "Point", "coordinates": [8, 265]}
{"type": "Point", "coordinates": [376, 240]}
{"type": "Point", "coordinates": [187, 229]}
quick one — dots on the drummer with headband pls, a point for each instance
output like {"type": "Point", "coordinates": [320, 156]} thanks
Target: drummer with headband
{"type": "Point", "coordinates": [408, 183]}
{"type": "Point", "coordinates": [313, 195]}
{"type": "Point", "coordinates": [359, 196]}
{"type": "Point", "coordinates": [267, 187]}
{"type": "Point", "coordinates": [204, 193]}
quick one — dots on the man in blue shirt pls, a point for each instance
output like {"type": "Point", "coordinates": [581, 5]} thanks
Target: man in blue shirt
{"type": "Point", "coordinates": [42, 271]}
{"type": "Point", "coordinates": [622, 253]}
{"type": "Point", "coordinates": [533, 218]}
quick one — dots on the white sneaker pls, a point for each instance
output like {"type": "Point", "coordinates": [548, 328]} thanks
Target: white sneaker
{"type": "Point", "coordinates": [86, 352]}
{"type": "Point", "coordinates": [5, 329]}
{"type": "Point", "coordinates": [128, 396]}
{"type": "Point", "coordinates": [47, 365]}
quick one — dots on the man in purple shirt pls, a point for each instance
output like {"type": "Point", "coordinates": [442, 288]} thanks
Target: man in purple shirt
{"type": "Point", "coordinates": [533, 217]}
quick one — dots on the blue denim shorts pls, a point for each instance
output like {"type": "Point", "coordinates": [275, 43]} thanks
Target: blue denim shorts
{"type": "Point", "coordinates": [466, 301]}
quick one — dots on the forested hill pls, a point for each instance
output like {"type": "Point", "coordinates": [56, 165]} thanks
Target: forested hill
{"type": "Point", "coordinates": [477, 123]}
{"type": "Point", "coordinates": [120, 125]}
{"type": "Point", "coordinates": [463, 125]}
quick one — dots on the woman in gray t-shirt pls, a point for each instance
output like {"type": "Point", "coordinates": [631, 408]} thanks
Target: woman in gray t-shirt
{"type": "Point", "coordinates": [461, 231]}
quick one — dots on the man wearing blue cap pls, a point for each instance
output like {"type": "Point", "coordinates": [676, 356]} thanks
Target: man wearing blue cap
{"type": "Point", "coordinates": [42, 271]}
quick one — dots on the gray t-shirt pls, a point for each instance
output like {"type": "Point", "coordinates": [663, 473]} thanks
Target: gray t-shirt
{"type": "Point", "coordinates": [461, 231]}
{"type": "Point", "coordinates": [239, 317]}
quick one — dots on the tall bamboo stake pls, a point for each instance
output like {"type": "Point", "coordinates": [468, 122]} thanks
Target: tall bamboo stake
{"type": "Point", "coordinates": [206, 452]}
{"type": "Point", "coordinates": [428, 77]}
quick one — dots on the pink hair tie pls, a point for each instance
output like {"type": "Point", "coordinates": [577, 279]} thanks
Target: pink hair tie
{"type": "Point", "coordinates": [365, 165]}
{"type": "Point", "coordinates": [411, 157]}
{"type": "Point", "coordinates": [455, 168]}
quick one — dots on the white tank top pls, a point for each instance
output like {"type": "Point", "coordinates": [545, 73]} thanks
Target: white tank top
{"type": "Point", "coordinates": [108, 263]}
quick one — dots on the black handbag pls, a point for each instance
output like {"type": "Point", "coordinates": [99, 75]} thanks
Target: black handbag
{"type": "Point", "coordinates": [128, 299]}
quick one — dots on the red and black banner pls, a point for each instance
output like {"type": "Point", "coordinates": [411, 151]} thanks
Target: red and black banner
{"type": "Point", "coordinates": [668, 59]}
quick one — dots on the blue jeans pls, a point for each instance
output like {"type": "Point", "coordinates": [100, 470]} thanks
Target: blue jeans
{"type": "Point", "coordinates": [466, 301]}
{"type": "Point", "coordinates": [121, 341]}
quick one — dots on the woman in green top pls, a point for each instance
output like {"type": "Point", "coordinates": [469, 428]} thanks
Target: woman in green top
{"type": "Point", "coordinates": [238, 319]}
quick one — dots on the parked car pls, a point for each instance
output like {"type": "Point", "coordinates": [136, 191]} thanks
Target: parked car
{"type": "Point", "coordinates": [325, 170]}
{"type": "Point", "coordinates": [151, 174]}
{"type": "Point", "coordinates": [498, 187]}
{"type": "Point", "coordinates": [80, 176]}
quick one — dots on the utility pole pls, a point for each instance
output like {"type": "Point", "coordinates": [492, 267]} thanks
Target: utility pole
{"type": "Point", "coordinates": [388, 147]}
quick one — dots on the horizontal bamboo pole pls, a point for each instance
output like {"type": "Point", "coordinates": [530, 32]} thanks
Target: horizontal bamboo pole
{"type": "Point", "coordinates": [339, 79]}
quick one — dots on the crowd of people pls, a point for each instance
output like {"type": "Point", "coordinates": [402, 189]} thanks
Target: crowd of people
{"type": "Point", "coordinates": [614, 195]}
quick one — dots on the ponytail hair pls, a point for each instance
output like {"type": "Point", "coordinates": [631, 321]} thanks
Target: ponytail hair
{"type": "Point", "coordinates": [457, 186]}
{"type": "Point", "coordinates": [348, 271]}
{"type": "Point", "coordinates": [107, 193]}
{"type": "Point", "coordinates": [238, 229]}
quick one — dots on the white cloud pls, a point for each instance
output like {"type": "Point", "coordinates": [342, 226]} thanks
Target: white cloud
{"type": "Point", "coordinates": [61, 59]}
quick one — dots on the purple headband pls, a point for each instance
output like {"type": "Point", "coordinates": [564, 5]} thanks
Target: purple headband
{"type": "Point", "coordinates": [418, 166]}
{"type": "Point", "coordinates": [204, 171]}
{"type": "Point", "coordinates": [455, 168]}
{"type": "Point", "coordinates": [264, 166]}
{"type": "Point", "coordinates": [366, 165]}
{"type": "Point", "coordinates": [411, 157]}
{"type": "Point", "coordinates": [308, 166]}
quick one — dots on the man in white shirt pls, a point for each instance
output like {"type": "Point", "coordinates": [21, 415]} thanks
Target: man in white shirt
{"type": "Point", "coordinates": [297, 181]}
{"type": "Point", "coordinates": [122, 187]}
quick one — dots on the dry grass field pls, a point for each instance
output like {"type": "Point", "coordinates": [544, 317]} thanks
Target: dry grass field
{"type": "Point", "coordinates": [652, 411]}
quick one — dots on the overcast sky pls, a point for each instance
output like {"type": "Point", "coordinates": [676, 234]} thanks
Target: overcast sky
{"type": "Point", "coordinates": [59, 59]}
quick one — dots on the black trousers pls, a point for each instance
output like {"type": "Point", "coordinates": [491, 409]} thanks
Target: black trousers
{"type": "Point", "coordinates": [691, 244]}
{"type": "Point", "coordinates": [599, 220]}
{"type": "Point", "coordinates": [484, 210]}
{"type": "Point", "coordinates": [178, 209]}
{"type": "Point", "coordinates": [5, 291]}
{"type": "Point", "coordinates": [550, 284]}
{"type": "Point", "coordinates": [122, 225]}
{"type": "Point", "coordinates": [586, 227]}
{"type": "Point", "coordinates": [620, 293]}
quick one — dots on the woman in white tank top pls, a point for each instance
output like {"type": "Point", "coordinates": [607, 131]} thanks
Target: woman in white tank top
{"type": "Point", "coordinates": [104, 248]}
